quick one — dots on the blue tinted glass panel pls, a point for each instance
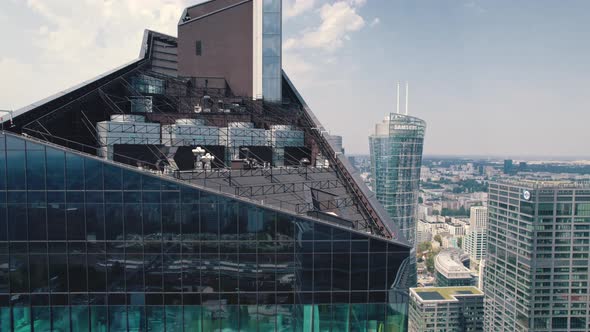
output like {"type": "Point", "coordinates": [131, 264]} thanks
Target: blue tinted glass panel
{"type": "Point", "coordinates": [112, 177]}
{"type": "Point", "coordinates": [39, 271]}
{"type": "Point", "coordinates": [37, 221]}
{"type": "Point", "coordinates": [75, 221]}
{"type": "Point", "coordinates": [3, 223]}
{"type": "Point", "coordinates": [271, 88]}
{"type": "Point", "coordinates": [271, 23]}
{"type": "Point", "coordinates": [155, 319]}
{"type": "Point", "coordinates": [93, 173]}
{"type": "Point", "coordinates": [2, 168]}
{"type": "Point", "coordinates": [21, 317]}
{"type": "Point", "coordinates": [4, 273]}
{"type": "Point", "coordinates": [96, 273]}
{"type": "Point", "coordinates": [13, 143]}
{"type": "Point", "coordinates": [272, 5]}
{"type": "Point", "coordinates": [15, 170]}
{"type": "Point", "coordinates": [56, 220]}
{"type": "Point", "coordinates": [75, 172]}
{"type": "Point", "coordinates": [131, 180]}
{"type": "Point", "coordinates": [58, 273]}
{"type": "Point", "coordinates": [17, 222]}
{"type": "Point", "coordinates": [271, 68]}
{"type": "Point", "coordinates": [41, 319]}
{"type": "Point", "coordinates": [271, 46]}
{"type": "Point", "coordinates": [133, 222]}
{"type": "Point", "coordinates": [77, 273]}
{"type": "Point", "coordinates": [36, 169]}
{"type": "Point", "coordinates": [19, 274]}
{"type": "Point", "coordinates": [117, 319]}
{"type": "Point", "coordinates": [95, 222]}
{"type": "Point", "coordinates": [80, 318]}
{"type": "Point", "coordinates": [98, 318]}
{"type": "Point", "coordinates": [55, 169]}
{"type": "Point", "coordinates": [136, 318]}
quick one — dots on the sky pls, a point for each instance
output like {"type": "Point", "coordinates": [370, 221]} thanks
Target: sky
{"type": "Point", "coordinates": [491, 78]}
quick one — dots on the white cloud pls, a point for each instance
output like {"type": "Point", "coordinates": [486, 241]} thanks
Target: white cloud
{"type": "Point", "coordinates": [295, 65]}
{"type": "Point", "coordinates": [76, 40]}
{"type": "Point", "coordinates": [19, 80]}
{"type": "Point", "coordinates": [337, 20]}
{"type": "Point", "coordinates": [474, 6]}
{"type": "Point", "coordinates": [292, 8]}
{"type": "Point", "coordinates": [375, 21]}
{"type": "Point", "coordinates": [357, 3]}
{"type": "Point", "coordinates": [94, 28]}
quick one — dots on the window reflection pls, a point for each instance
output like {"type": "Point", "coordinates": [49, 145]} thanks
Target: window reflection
{"type": "Point", "coordinates": [173, 248]}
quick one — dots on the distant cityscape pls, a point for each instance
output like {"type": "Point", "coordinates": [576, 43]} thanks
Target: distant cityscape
{"type": "Point", "coordinates": [460, 232]}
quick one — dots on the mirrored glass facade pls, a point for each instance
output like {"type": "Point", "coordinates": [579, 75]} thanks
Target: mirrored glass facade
{"type": "Point", "coordinates": [90, 245]}
{"type": "Point", "coordinates": [271, 50]}
{"type": "Point", "coordinates": [396, 158]}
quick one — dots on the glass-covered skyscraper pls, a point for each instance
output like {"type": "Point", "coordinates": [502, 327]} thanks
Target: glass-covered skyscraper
{"type": "Point", "coordinates": [396, 158]}
{"type": "Point", "coordinates": [160, 196]}
{"type": "Point", "coordinates": [271, 49]}
{"type": "Point", "coordinates": [537, 265]}
{"type": "Point", "coordinates": [88, 244]}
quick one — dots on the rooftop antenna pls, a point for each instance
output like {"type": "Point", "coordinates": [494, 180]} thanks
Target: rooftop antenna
{"type": "Point", "coordinates": [397, 108]}
{"type": "Point", "coordinates": [407, 90]}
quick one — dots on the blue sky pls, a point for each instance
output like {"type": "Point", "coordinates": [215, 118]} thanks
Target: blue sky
{"type": "Point", "coordinates": [503, 78]}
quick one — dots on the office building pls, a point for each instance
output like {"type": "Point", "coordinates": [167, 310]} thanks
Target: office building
{"type": "Point", "coordinates": [508, 166]}
{"type": "Point", "coordinates": [445, 309]}
{"type": "Point", "coordinates": [536, 272]}
{"type": "Point", "coordinates": [191, 189]}
{"type": "Point", "coordinates": [396, 159]}
{"type": "Point", "coordinates": [475, 240]}
{"type": "Point", "coordinates": [451, 268]}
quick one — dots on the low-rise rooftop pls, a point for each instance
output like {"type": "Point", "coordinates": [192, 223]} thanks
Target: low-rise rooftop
{"type": "Point", "coordinates": [438, 294]}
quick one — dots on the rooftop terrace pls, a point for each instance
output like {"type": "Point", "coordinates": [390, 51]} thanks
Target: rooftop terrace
{"type": "Point", "coordinates": [442, 294]}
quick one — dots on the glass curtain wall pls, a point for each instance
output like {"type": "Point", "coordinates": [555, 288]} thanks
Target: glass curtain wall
{"type": "Point", "coordinates": [86, 244]}
{"type": "Point", "coordinates": [395, 164]}
{"type": "Point", "coordinates": [271, 50]}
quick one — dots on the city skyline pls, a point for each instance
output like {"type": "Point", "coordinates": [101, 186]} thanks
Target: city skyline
{"type": "Point", "coordinates": [471, 65]}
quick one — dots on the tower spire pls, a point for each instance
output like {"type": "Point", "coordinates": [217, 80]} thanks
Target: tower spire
{"type": "Point", "coordinates": [397, 94]}
{"type": "Point", "coordinates": [407, 95]}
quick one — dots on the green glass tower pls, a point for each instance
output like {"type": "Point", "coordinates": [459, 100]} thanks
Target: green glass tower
{"type": "Point", "coordinates": [396, 158]}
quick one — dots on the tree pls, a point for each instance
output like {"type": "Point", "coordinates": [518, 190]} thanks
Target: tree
{"type": "Point", "coordinates": [424, 246]}
{"type": "Point", "coordinates": [438, 239]}
{"type": "Point", "coordinates": [460, 242]}
{"type": "Point", "coordinates": [430, 263]}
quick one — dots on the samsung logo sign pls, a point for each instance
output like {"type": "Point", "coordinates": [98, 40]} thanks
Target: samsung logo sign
{"type": "Point", "coordinates": [405, 127]}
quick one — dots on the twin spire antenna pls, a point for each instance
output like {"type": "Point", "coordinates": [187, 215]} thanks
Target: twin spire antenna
{"type": "Point", "coordinates": [407, 97]}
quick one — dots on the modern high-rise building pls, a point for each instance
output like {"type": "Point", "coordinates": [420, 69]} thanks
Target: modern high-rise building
{"type": "Point", "coordinates": [191, 189]}
{"type": "Point", "coordinates": [536, 273]}
{"type": "Point", "coordinates": [508, 167]}
{"type": "Point", "coordinates": [396, 159]}
{"type": "Point", "coordinates": [475, 240]}
{"type": "Point", "coordinates": [446, 309]}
